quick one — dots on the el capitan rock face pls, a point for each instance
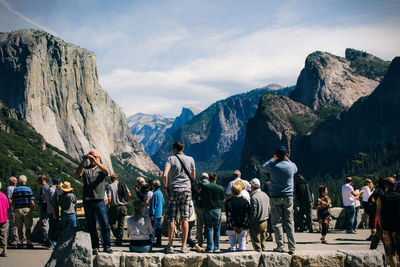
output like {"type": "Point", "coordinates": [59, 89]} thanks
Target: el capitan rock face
{"type": "Point", "coordinates": [55, 86]}
{"type": "Point", "coordinates": [331, 80]}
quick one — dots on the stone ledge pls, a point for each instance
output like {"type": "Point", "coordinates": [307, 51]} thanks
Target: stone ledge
{"type": "Point", "coordinates": [353, 258]}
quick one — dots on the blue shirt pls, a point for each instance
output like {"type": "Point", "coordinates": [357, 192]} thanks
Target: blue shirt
{"type": "Point", "coordinates": [157, 204]}
{"type": "Point", "coordinates": [282, 177]}
{"type": "Point", "coordinates": [21, 196]}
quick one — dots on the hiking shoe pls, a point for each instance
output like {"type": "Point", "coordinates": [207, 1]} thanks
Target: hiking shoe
{"type": "Point", "coordinates": [291, 251]}
{"type": "Point", "coordinates": [95, 251]}
{"type": "Point", "coordinates": [29, 246]}
{"type": "Point", "coordinates": [278, 250]}
{"type": "Point", "coordinates": [168, 250]}
{"type": "Point", "coordinates": [108, 250]}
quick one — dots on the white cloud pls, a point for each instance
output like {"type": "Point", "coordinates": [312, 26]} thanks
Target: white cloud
{"type": "Point", "coordinates": [25, 18]}
{"type": "Point", "coordinates": [267, 56]}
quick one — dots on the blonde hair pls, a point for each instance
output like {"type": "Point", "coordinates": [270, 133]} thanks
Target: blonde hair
{"type": "Point", "coordinates": [236, 189]}
{"type": "Point", "coordinates": [241, 184]}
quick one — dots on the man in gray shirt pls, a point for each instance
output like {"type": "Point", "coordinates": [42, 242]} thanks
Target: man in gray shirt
{"type": "Point", "coordinates": [117, 202]}
{"type": "Point", "coordinates": [259, 212]}
{"type": "Point", "coordinates": [181, 170]}
{"type": "Point", "coordinates": [93, 199]}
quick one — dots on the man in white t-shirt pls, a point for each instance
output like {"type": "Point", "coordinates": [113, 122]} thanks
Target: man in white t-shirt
{"type": "Point", "coordinates": [238, 177]}
{"type": "Point", "coordinates": [348, 195]}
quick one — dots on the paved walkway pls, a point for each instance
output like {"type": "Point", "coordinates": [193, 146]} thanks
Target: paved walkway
{"type": "Point", "coordinates": [338, 240]}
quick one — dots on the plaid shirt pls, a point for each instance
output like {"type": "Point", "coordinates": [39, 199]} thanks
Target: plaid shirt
{"type": "Point", "coordinates": [21, 197]}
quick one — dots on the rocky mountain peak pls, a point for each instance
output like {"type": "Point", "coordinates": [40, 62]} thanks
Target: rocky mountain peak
{"type": "Point", "coordinates": [55, 86]}
{"type": "Point", "coordinates": [332, 80]}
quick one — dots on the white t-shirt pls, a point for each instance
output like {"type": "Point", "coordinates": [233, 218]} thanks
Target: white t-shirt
{"type": "Point", "coordinates": [367, 193]}
{"type": "Point", "coordinates": [246, 183]}
{"type": "Point", "coordinates": [357, 200]}
{"type": "Point", "coordinates": [348, 199]}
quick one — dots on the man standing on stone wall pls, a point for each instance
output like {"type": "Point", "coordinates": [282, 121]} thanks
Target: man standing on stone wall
{"type": "Point", "coordinates": [43, 216]}
{"type": "Point", "coordinates": [281, 186]}
{"type": "Point", "coordinates": [23, 203]}
{"type": "Point", "coordinates": [93, 199]}
{"type": "Point", "coordinates": [118, 198]}
{"type": "Point", "coordinates": [181, 170]}
{"type": "Point", "coordinates": [12, 226]}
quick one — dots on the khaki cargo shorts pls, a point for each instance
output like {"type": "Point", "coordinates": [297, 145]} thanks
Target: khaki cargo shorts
{"type": "Point", "coordinates": [23, 216]}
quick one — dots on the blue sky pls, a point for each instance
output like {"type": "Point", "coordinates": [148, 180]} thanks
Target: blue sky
{"type": "Point", "coordinates": [157, 56]}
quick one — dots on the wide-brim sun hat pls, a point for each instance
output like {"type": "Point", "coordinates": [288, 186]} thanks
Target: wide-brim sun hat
{"type": "Point", "coordinates": [66, 187]}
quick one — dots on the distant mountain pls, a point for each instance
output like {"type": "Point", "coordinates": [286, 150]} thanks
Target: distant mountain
{"type": "Point", "coordinates": [215, 136]}
{"type": "Point", "coordinates": [278, 121]}
{"type": "Point", "coordinates": [370, 123]}
{"type": "Point", "coordinates": [54, 85]}
{"type": "Point", "coordinates": [151, 130]}
{"type": "Point", "coordinates": [331, 80]}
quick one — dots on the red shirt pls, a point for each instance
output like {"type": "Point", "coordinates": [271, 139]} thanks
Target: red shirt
{"type": "Point", "coordinates": [3, 208]}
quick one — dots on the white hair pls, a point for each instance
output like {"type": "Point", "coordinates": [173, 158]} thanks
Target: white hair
{"type": "Point", "coordinates": [0, 185]}
{"type": "Point", "coordinates": [22, 179]}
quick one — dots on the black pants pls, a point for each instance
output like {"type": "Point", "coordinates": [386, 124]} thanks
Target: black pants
{"type": "Point", "coordinates": [190, 241]}
{"type": "Point", "coordinates": [116, 217]}
{"type": "Point", "coordinates": [324, 228]}
{"type": "Point", "coordinates": [305, 210]}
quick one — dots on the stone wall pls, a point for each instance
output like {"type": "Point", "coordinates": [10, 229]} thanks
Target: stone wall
{"type": "Point", "coordinates": [353, 258]}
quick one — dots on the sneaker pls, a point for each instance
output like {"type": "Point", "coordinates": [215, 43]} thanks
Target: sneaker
{"type": "Point", "coordinates": [185, 249]}
{"type": "Point", "coordinates": [95, 251]}
{"type": "Point", "coordinates": [291, 251]}
{"type": "Point", "coordinates": [355, 230]}
{"type": "Point", "coordinates": [108, 250]}
{"type": "Point", "coordinates": [20, 245]}
{"type": "Point", "coordinates": [351, 232]}
{"type": "Point", "coordinates": [29, 246]}
{"type": "Point", "coordinates": [209, 250]}
{"type": "Point", "coordinates": [168, 250]}
{"type": "Point", "coordinates": [52, 245]}
{"type": "Point", "coordinates": [278, 250]}
{"type": "Point", "coordinates": [217, 251]}
{"type": "Point", "coordinates": [269, 239]}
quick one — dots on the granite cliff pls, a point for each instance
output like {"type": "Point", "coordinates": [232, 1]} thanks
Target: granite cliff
{"type": "Point", "coordinates": [215, 136]}
{"type": "Point", "coordinates": [278, 121]}
{"type": "Point", "coordinates": [368, 124]}
{"type": "Point", "coordinates": [331, 80]}
{"type": "Point", "coordinates": [55, 86]}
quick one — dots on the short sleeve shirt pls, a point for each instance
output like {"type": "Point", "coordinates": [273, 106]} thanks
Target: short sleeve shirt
{"type": "Point", "coordinates": [49, 197]}
{"type": "Point", "coordinates": [348, 199]}
{"type": "Point", "coordinates": [229, 188]}
{"type": "Point", "coordinates": [94, 186]}
{"type": "Point", "coordinates": [177, 175]}
{"type": "Point", "coordinates": [112, 191]}
{"type": "Point", "coordinates": [21, 197]}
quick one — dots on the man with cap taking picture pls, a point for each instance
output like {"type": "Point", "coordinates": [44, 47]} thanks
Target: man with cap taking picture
{"type": "Point", "coordinates": [281, 186]}
{"type": "Point", "coordinates": [259, 212]}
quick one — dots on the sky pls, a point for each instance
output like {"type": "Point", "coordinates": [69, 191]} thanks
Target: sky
{"type": "Point", "coordinates": [156, 57]}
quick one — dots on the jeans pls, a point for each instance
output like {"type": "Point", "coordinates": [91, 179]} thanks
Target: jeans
{"type": "Point", "coordinates": [140, 248]}
{"type": "Point", "coordinates": [212, 220]}
{"type": "Point", "coordinates": [355, 224]}
{"type": "Point", "coordinates": [282, 217]}
{"type": "Point", "coordinates": [116, 216]}
{"type": "Point", "coordinates": [93, 208]}
{"type": "Point", "coordinates": [349, 212]}
{"type": "Point", "coordinates": [157, 227]}
{"type": "Point", "coordinates": [68, 221]}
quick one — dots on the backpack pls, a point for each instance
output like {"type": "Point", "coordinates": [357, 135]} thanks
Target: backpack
{"type": "Point", "coordinates": [123, 192]}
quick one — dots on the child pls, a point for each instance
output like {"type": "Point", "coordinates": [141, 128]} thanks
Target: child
{"type": "Point", "coordinates": [323, 205]}
{"type": "Point", "coordinates": [66, 201]}
{"type": "Point", "coordinates": [237, 218]}
{"type": "Point", "coordinates": [140, 229]}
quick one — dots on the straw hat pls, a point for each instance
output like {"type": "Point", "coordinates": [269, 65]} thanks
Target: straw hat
{"type": "Point", "coordinates": [66, 187]}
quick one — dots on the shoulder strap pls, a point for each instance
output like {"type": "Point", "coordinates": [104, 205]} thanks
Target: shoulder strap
{"type": "Point", "coordinates": [184, 167]}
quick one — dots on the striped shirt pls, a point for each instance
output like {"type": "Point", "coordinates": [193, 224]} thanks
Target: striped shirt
{"type": "Point", "coordinates": [21, 197]}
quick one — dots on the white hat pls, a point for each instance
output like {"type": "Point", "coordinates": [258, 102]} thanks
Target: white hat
{"type": "Point", "coordinates": [204, 175]}
{"type": "Point", "coordinates": [255, 183]}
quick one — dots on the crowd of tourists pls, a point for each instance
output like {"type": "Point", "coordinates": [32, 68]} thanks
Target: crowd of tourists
{"type": "Point", "coordinates": [283, 205]}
